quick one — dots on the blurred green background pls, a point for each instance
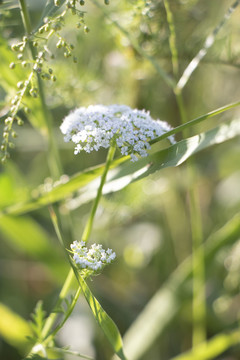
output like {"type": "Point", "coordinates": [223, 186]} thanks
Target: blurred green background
{"type": "Point", "coordinates": [147, 223]}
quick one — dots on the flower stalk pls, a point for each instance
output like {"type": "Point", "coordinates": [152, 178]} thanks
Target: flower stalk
{"type": "Point", "coordinates": [88, 227]}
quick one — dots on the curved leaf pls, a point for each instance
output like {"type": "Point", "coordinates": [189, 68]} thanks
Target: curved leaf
{"type": "Point", "coordinates": [212, 348]}
{"type": "Point", "coordinates": [58, 192]}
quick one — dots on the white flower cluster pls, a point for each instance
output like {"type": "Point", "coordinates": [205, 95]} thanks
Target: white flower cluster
{"type": "Point", "coordinates": [102, 126]}
{"type": "Point", "coordinates": [94, 258]}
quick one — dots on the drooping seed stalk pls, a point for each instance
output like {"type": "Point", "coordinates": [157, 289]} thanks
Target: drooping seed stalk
{"type": "Point", "coordinates": [53, 155]}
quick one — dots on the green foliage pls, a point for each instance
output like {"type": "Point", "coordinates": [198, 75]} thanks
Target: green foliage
{"type": "Point", "coordinates": [37, 322]}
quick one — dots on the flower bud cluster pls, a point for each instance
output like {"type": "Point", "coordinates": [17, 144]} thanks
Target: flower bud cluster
{"type": "Point", "coordinates": [93, 259]}
{"type": "Point", "coordinates": [115, 125]}
{"type": "Point", "coordinates": [37, 66]}
{"type": "Point", "coordinates": [12, 117]}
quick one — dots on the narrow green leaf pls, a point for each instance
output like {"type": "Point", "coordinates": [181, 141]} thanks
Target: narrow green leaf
{"type": "Point", "coordinates": [8, 6]}
{"type": "Point", "coordinates": [106, 323]}
{"type": "Point", "coordinates": [61, 191]}
{"type": "Point", "coordinates": [196, 121]}
{"type": "Point", "coordinates": [69, 352]}
{"type": "Point", "coordinates": [178, 153]}
{"type": "Point", "coordinates": [212, 348]}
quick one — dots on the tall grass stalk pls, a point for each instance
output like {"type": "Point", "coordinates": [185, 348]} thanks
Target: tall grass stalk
{"type": "Point", "coordinates": [192, 66]}
{"type": "Point", "coordinates": [199, 298]}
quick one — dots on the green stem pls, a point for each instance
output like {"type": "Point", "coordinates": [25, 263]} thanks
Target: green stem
{"type": "Point", "coordinates": [88, 227]}
{"type": "Point", "coordinates": [67, 314]}
{"type": "Point", "coordinates": [25, 16]}
{"type": "Point", "coordinates": [198, 264]}
{"type": "Point", "coordinates": [195, 121]}
{"type": "Point", "coordinates": [199, 301]}
{"type": "Point", "coordinates": [181, 107]}
{"type": "Point", "coordinates": [53, 316]}
{"type": "Point", "coordinates": [69, 352]}
{"type": "Point", "coordinates": [172, 38]}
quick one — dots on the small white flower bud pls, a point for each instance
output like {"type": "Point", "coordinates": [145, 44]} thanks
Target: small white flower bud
{"type": "Point", "coordinates": [94, 259]}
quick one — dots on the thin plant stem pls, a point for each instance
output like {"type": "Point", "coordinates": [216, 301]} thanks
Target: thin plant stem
{"type": "Point", "coordinates": [69, 352]}
{"type": "Point", "coordinates": [52, 317]}
{"type": "Point", "coordinates": [198, 261]}
{"type": "Point", "coordinates": [63, 293]}
{"type": "Point", "coordinates": [172, 38]}
{"type": "Point", "coordinates": [195, 121]}
{"type": "Point", "coordinates": [66, 316]}
{"type": "Point", "coordinates": [198, 264]}
{"type": "Point", "coordinates": [25, 16]}
{"type": "Point", "coordinates": [88, 227]}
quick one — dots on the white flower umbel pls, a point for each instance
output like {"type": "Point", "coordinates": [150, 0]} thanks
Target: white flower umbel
{"type": "Point", "coordinates": [94, 259]}
{"type": "Point", "coordinates": [99, 126]}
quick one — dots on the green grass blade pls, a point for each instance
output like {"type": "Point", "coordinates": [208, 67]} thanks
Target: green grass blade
{"type": "Point", "coordinates": [165, 304]}
{"type": "Point", "coordinates": [178, 153]}
{"type": "Point", "coordinates": [172, 38]}
{"type": "Point", "coordinates": [59, 192]}
{"type": "Point", "coordinates": [212, 348]}
{"type": "Point", "coordinates": [195, 121]}
{"type": "Point", "coordinates": [69, 352]}
{"type": "Point", "coordinates": [106, 323]}
{"type": "Point", "coordinates": [206, 46]}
